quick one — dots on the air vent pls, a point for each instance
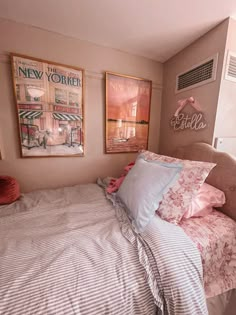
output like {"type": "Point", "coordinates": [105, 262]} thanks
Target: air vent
{"type": "Point", "coordinates": [230, 71]}
{"type": "Point", "coordinates": [197, 75]}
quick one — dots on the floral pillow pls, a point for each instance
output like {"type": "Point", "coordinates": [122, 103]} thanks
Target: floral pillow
{"type": "Point", "coordinates": [177, 200]}
{"type": "Point", "coordinates": [206, 198]}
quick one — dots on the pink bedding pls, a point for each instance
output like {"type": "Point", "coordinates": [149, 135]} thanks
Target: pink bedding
{"type": "Point", "coordinates": [215, 237]}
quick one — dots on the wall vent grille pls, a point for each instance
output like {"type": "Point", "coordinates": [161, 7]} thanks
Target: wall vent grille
{"type": "Point", "coordinates": [230, 73]}
{"type": "Point", "coordinates": [197, 75]}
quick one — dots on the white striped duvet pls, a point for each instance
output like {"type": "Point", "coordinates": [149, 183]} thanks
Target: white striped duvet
{"type": "Point", "coordinates": [72, 252]}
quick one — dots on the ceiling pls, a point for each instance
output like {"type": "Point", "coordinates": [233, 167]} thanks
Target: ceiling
{"type": "Point", "coordinates": [156, 29]}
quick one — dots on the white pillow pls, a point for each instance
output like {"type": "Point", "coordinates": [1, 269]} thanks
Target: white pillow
{"type": "Point", "coordinates": [143, 188]}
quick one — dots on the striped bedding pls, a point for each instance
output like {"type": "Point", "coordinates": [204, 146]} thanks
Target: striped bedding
{"type": "Point", "coordinates": [70, 251]}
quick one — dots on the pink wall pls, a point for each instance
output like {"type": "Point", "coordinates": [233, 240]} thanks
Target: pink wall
{"type": "Point", "coordinates": [211, 43]}
{"type": "Point", "coordinates": [37, 173]}
{"type": "Point", "coordinates": [226, 111]}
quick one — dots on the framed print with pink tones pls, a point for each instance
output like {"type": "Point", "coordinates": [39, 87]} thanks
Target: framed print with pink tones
{"type": "Point", "coordinates": [128, 102]}
{"type": "Point", "coordinates": [49, 107]}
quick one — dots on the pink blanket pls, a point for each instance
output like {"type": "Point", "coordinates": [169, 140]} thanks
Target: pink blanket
{"type": "Point", "coordinates": [115, 183]}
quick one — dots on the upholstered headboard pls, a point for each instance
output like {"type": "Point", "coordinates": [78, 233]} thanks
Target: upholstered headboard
{"type": "Point", "coordinates": [223, 176]}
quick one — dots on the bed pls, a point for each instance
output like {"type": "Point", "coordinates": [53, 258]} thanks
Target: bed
{"type": "Point", "coordinates": [73, 251]}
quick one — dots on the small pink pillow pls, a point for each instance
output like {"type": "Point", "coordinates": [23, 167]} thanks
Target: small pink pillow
{"type": "Point", "coordinates": [207, 197]}
{"type": "Point", "coordinates": [9, 190]}
{"type": "Point", "coordinates": [178, 199]}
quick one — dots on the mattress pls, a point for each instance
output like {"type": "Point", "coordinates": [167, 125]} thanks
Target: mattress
{"type": "Point", "coordinates": [215, 237]}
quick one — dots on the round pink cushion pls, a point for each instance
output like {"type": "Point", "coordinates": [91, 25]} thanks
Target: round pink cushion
{"type": "Point", "coordinates": [9, 190]}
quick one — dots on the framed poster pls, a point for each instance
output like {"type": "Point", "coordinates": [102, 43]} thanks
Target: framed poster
{"type": "Point", "coordinates": [128, 102]}
{"type": "Point", "coordinates": [50, 108]}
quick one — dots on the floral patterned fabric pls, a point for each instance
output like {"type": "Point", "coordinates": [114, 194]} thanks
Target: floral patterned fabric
{"type": "Point", "coordinates": [177, 200]}
{"type": "Point", "coordinates": [215, 237]}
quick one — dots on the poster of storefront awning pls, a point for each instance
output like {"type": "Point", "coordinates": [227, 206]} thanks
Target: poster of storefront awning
{"type": "Point", "coordinates": [50, 108]}
{"type": "Point", "coordinates": [66, 117]}
{"type": "Point", "coordinates": [29, 114]}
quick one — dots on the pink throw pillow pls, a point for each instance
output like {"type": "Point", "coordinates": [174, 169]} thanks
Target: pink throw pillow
{"type": "Point", "coordinates": [176, 202]}
{"type": "Point", "coordinates": [207, 197]}
{"type": "Point", "coordinates": [9, 190]}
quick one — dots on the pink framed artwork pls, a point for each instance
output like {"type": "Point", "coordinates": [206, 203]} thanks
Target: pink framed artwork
{"type": "Point", "coordinates": [128, 102]}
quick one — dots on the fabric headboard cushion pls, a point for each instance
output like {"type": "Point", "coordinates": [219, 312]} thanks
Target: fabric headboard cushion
{"type": "Point", "coordinates": [223, 176]}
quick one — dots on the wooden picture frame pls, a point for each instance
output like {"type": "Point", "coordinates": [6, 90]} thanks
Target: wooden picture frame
{"type": "Point", "coordinates": [128, 101]}
{"type": "Point", "coordinates": [50, 107]}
